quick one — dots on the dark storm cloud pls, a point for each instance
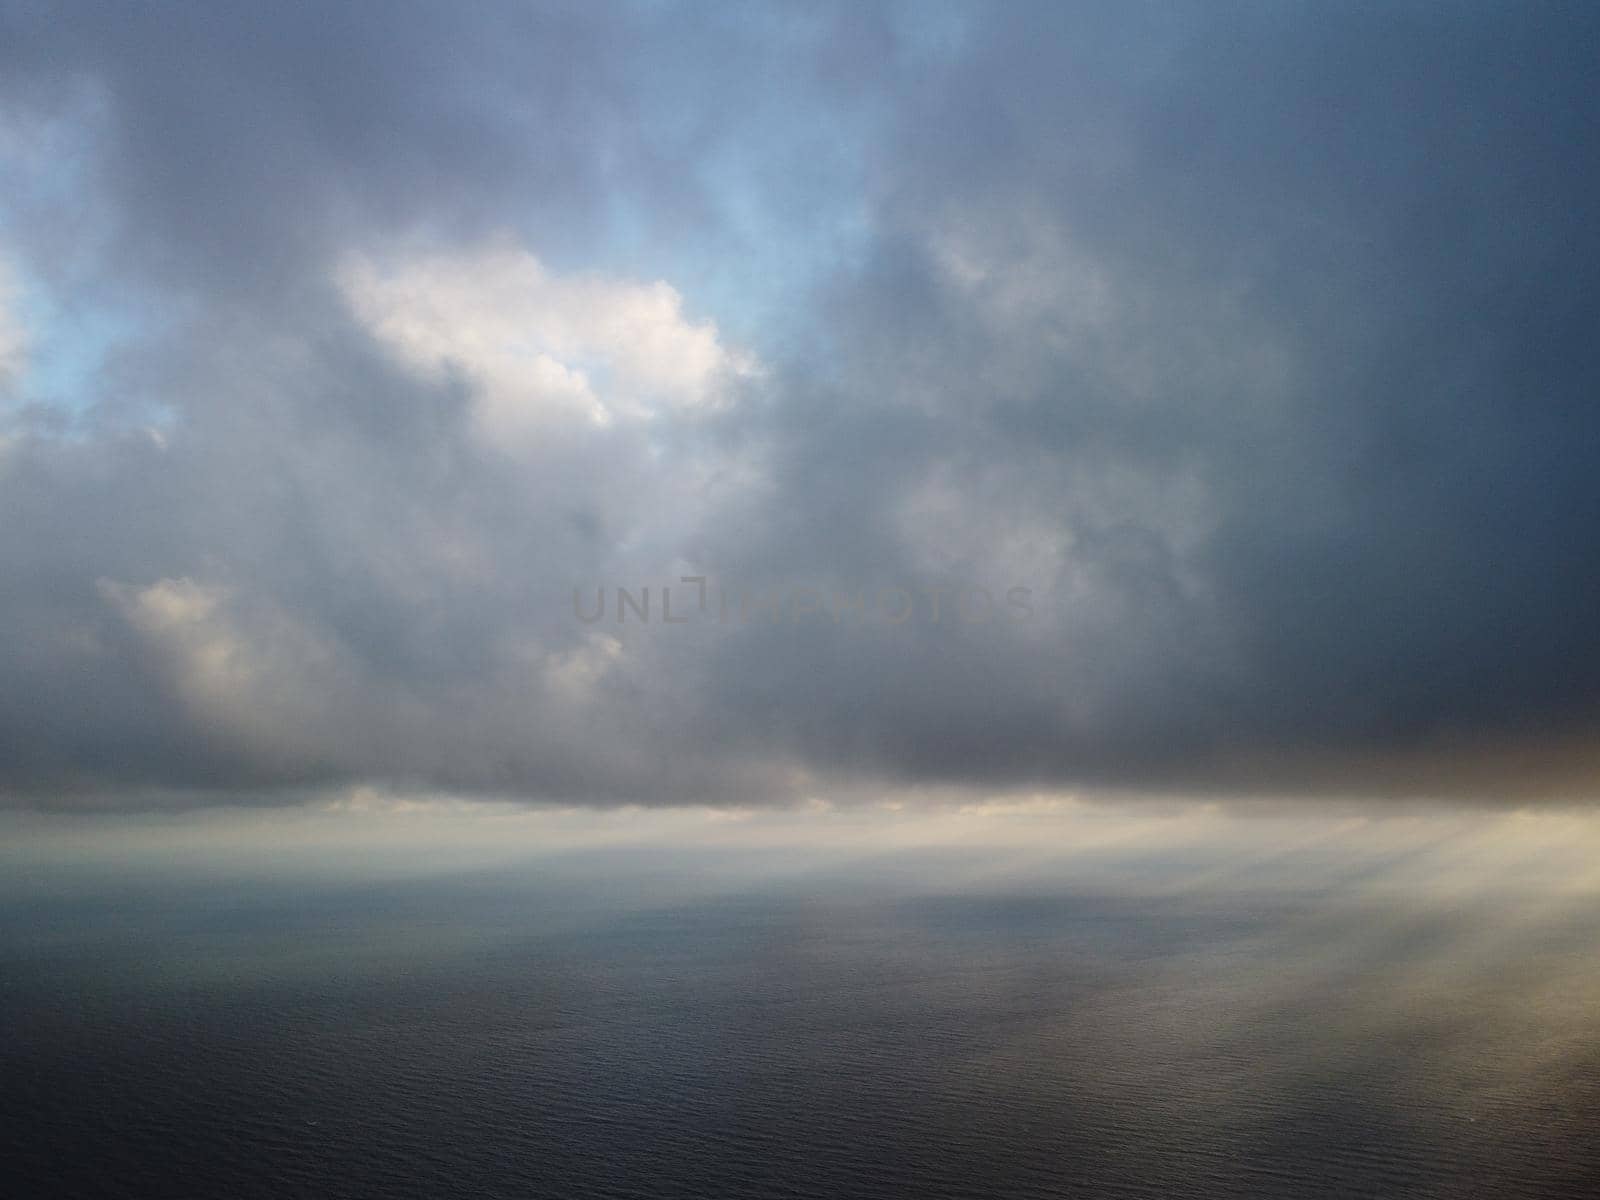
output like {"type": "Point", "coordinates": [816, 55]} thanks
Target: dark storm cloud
{"type": "Point", "coordinates": [237, 138]}
{"type": "Point", "coordinates": [1254, 341]}
{"type": "Point", "coordinates": [1348, 278]}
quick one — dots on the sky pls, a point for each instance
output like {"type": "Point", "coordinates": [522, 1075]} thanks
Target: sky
{"type": "Point", "coordinates": [973, 402]}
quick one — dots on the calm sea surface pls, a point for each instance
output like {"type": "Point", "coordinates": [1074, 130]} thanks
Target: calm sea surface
{"type": "Point", "coordinates": [607, 1031]}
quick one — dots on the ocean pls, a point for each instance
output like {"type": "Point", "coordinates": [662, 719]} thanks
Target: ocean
{"type": "Point", "coordinates": [916, 1025]}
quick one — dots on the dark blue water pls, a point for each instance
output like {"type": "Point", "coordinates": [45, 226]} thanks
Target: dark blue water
{"type": "Point", "coordinates": [513, 1035]}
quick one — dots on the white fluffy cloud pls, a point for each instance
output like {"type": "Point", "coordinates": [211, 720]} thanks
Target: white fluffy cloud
{"type": "Point", "coordinates": [540, 347]}
{"type": "Point", "coordinates": [251, 676]}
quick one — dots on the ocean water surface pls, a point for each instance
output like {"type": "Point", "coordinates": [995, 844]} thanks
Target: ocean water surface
{"type": "Point", "coordinates": [1375, 1014]}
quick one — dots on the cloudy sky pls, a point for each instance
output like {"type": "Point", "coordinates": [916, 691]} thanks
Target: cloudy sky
{"type": "Point", "coordinates": [1191, 399]}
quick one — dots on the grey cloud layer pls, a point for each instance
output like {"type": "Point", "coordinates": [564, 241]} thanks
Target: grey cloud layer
{"type": "Point", "coordinates": [1257, 342]}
